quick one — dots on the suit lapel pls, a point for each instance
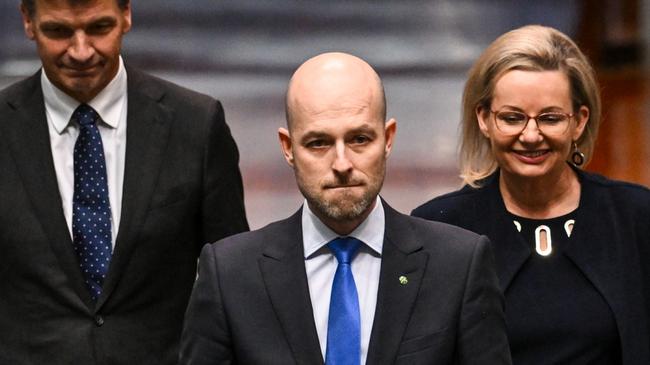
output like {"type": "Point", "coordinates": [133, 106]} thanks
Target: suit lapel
{"type": "Point", "coordinates": [148, 126]}
{"type": "Point", "coordinates": [28, 138]}
{"type": "Point", "coordinates": [402, 255]}
{"type": "Point", "coordinates": [283, 270]}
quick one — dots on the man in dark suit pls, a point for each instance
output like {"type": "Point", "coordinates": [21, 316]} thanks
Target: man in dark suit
{"type": "Point", "coordinates": [346, 279]}
{"type": "Point", "coordinates": [111, 182]}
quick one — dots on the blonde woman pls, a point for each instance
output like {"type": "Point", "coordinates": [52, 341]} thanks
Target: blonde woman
{"type": "Point", "coordinates": [571, 247]}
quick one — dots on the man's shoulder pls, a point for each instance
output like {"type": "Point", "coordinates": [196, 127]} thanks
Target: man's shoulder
{"type": "Point", "coordinates": [159, 88]}
{"type": "Point", "coordinates": [443, 232]}
{"type": "Point", "coordinates": [433, 235]}
{"type": "Point", "coordinates": [19, 88]}
{"type": "Point", "coordinates": [254, 243]}
{"type": "Point", "coordinates": [458, 207]}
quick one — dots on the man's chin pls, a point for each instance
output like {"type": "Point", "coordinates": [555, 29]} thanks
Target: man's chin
{"type": "Point", "coordinates": [83, 89]}
{"type": "Point", "coordinates": [344, 210]}
{"type": "Point", "coordinates": [340, 205]}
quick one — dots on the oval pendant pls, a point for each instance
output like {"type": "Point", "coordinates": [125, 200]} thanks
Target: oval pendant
{"type": "Point", "coordinates": [543, 243]}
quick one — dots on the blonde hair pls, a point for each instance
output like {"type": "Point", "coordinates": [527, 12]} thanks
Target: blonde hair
{"type": "Point", "coordinates": [530, 48]}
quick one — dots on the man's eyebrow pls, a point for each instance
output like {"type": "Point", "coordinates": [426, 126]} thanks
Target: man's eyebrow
{"type": "Point", "coordinates": [53, 24]}
{"type": "Point", "coordinates": [365, 128]}
{"type": "Point", "coordinates": [61, 23]}
{"type": "Point", "coordinates": [313, 134]}
{"type": "Point", "coordinates": [104, 19]}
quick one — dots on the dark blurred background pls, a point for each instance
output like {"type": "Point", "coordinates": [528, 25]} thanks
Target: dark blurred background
{"type": "Point", "coordinates": [244, 51]}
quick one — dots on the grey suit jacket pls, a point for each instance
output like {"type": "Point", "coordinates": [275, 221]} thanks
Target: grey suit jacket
{"type": "Point", "coordinates": [251, 302]}
{"type": "Point", "coordinates": [182, 188]}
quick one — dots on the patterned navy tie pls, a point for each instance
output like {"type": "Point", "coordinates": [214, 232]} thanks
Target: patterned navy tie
{"type": "Point", "coordinates": [344, 325]}
{"type": "Point", "coordinates": [91, 210]}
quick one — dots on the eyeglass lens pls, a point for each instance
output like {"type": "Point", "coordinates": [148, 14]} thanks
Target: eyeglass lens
{"type": "Point", "coordinates": [514, 122]}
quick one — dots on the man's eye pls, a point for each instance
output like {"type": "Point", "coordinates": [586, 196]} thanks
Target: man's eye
{"type": "Point", "coordinates": [317, 143]}
{"type": "Point", "coordinates": [100, 28]}
{"type": "Point", "coordinates": [56, 32]}
{"type": "Point", "coordinates": [361, 139]}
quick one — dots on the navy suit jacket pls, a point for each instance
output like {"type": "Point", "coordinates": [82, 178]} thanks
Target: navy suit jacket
{"type": "Point", "coordinates": [610, 245]}
{"type": "Point", "coordinates": [251, 303]}
{"type": "Point", "coordinates": [182, 188]}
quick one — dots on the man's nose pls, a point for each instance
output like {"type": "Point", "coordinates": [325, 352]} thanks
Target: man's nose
{"type": "Point", "coordinates": [342, 163]}
{"type": "Point", "coordinates": [81, 49]}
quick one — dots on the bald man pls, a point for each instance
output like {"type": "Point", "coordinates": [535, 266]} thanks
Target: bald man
{"type": "Point", "coordinates": [346, 279]}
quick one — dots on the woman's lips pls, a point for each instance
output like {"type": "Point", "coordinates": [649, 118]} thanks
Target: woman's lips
{"type": "Point", "coordinates": [532, 157]}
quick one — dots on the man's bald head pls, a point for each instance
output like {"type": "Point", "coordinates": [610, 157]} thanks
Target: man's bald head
{"type": "Point", "coordinates": [331, 82]}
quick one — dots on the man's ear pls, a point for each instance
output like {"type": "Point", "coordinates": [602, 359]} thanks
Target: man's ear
{"type": "Point", "coordinates": [28, 25]}
{"type": "Point", "coordinates": [126, 14]}
{"type": "Point", "coordinates": [390, 129]}
{"type": "Point", "coordinates": [285, 144]}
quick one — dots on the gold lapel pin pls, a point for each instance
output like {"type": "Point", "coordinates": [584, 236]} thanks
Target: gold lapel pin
{"type": "Point", "coordinates": [403, 280]}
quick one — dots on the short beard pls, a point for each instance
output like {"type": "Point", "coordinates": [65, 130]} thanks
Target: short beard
{"type": "Point", "coordinates": [343, 210]}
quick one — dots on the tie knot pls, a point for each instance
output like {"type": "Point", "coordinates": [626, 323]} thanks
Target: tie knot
{"type": "Point", "coordinates": [85, 114]}
{"type": "Point", "coordinates": [344, 248]}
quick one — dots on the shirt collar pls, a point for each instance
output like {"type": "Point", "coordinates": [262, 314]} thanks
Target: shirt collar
{"type": "Point", "coordinates": [108, 103]}
{"type": "Point", "coordinates": [315, 234]}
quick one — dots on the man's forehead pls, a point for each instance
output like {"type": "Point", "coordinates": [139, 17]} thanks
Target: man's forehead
{"type": "Point", "coordinates": [75, 5]}
{"type": "Point", "coordinates": [334, 113]}
{"type": "Point", "coordinates": [336, 121]}
{"type": "Point", "coordinates": [118, 3]}
{"type": "Point", "coordinates": [81, 15]}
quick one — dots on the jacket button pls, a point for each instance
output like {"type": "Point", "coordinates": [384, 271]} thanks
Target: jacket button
{"type": "Point", "coordinates": [99, 320]}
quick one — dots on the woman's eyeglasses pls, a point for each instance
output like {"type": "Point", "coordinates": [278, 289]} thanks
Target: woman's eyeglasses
{"type": "Point", "coordinates": [511, 122]}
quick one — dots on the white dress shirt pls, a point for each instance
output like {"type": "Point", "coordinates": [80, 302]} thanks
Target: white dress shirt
{"type": "Point", "coordinates": [321, 266]}
{"type": "Point", "coordinates": [111, 105]}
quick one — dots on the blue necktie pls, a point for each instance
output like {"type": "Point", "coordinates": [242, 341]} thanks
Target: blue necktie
{"type": "Point", "coordinates": [344, 325]}
{"type": "Point", "coordinates": [91, 210]}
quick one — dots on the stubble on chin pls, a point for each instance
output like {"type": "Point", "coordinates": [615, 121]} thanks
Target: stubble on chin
{"type": "Point", "coordinates": [345, 205]}
{"type": "Point", "coordinates": [344, 208]}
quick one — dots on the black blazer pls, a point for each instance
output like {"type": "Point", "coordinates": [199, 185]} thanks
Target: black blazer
{"type": "Point", "coordinates": [610, 245]}
{"type": "Point", "coordinates": [251, 303]}
{"type": "Point", "coordinates": [182, 188]}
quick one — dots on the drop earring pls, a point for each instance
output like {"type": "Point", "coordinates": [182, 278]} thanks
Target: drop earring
{"type": "Point", "coordinates": [577, 157]}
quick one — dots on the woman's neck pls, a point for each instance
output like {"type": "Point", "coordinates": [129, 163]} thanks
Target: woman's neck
{"type": "Point", "coordinates": [549, 196]}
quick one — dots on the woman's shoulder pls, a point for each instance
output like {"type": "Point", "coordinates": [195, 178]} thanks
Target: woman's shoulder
{"type": "Point", "coordinates": [624, 189]}
{"type": "Point", "coordinates": [626, 198]}
{"type": "Point", "coordinates": [447, 206]}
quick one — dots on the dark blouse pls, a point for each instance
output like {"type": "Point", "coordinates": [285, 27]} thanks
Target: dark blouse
{"type": "Point", "coordinates": [597, 275]}
{"type": "Point", "coordinates": [543, 326]}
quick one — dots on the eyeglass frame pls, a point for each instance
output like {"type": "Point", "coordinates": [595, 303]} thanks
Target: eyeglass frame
{"type": "Point", "coordinates": [528, 118]}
